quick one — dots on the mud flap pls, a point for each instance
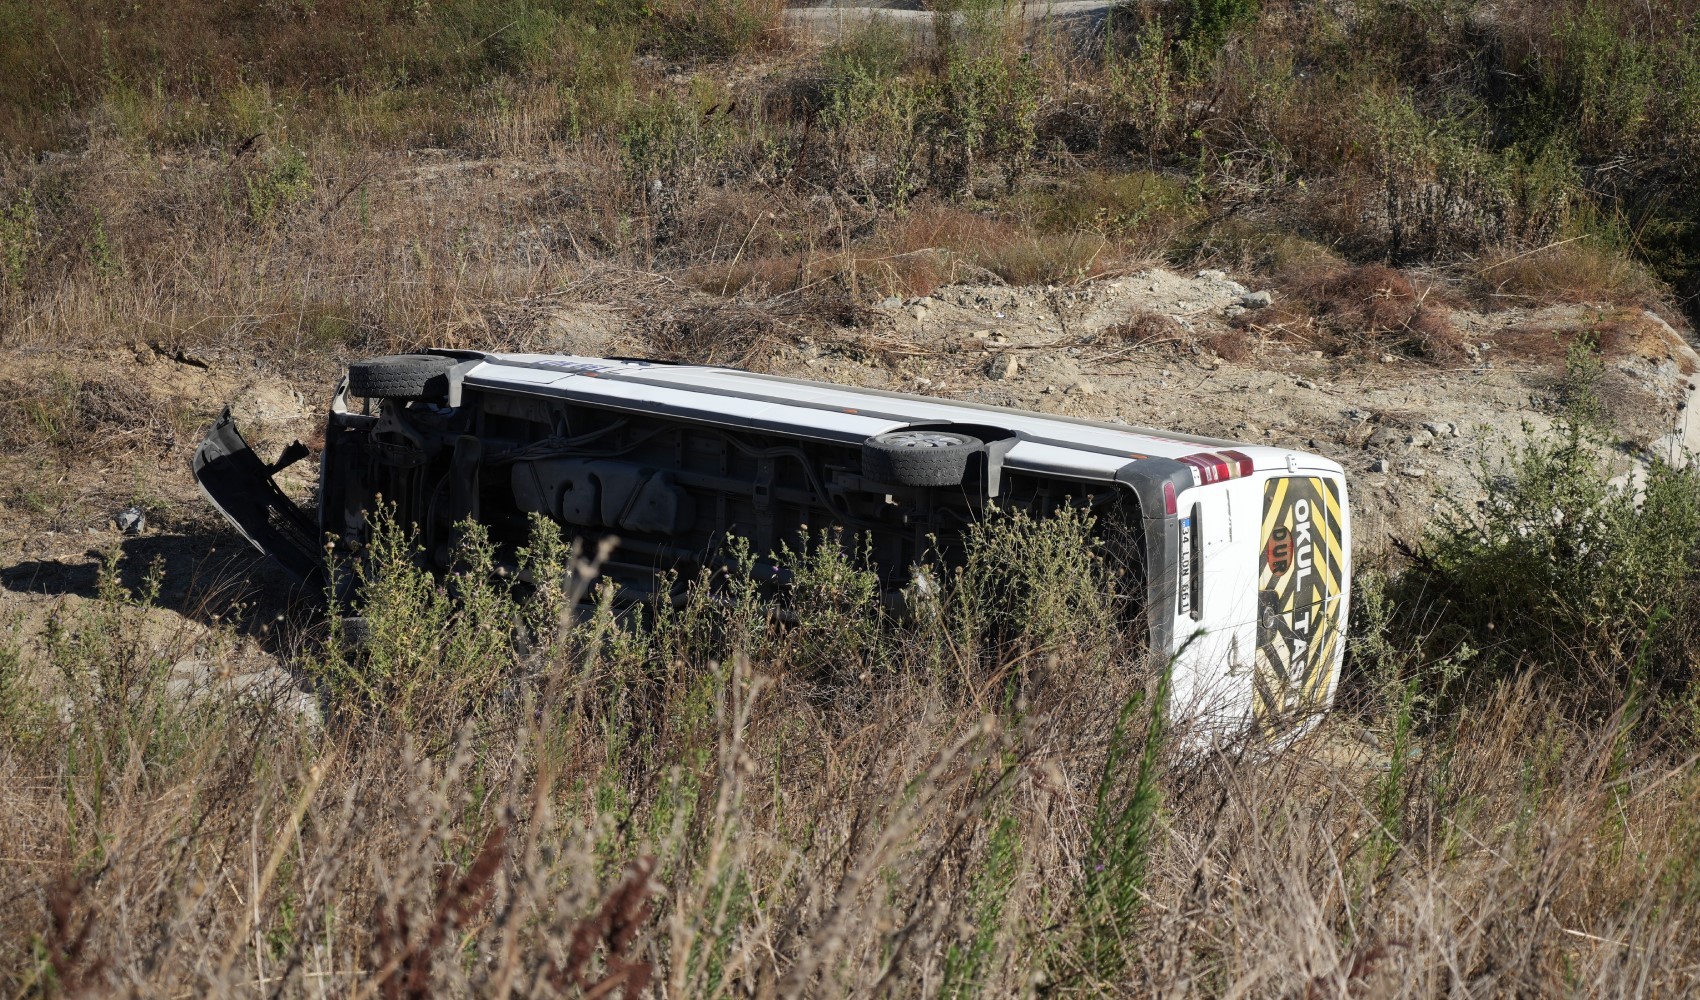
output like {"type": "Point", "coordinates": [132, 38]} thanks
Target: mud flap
{"type": "Point", "coordinates": [241, 487]}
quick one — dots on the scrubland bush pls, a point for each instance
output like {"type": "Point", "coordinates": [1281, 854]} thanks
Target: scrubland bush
{"type": "Point", "coordinates": [137, 53]}
{"type": "Point", "coordinates": [1573, 271]}
{"type": "Point", "coordinates": [874, 123]}
{"type": "Point", "coordinates": [894, 125]}
{"type": "Point", "coordinates": [1566, 572]}
{"type": "Point", "coordinates": [1427, 131]}
{"type": "Point", "coordinates": [19, 240]}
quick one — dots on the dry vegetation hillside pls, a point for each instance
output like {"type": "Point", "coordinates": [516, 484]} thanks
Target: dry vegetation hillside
{"type": "Point", "coordinates": [1493, 207]}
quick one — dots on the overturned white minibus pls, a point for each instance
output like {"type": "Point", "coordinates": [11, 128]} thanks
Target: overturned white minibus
{"type": "Point", "coordinates": [1241, 553]}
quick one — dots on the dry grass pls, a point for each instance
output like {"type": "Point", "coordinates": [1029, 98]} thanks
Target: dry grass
{"type": "Point", "coordinates": [1349, 310]}
{"type": "Point", "coordinates": [728, 333]}
{"type": "Point", "coordinates": [746, 829]}
{"type": "Point", "coordinates": [1616, 334]}
{"type": "Point", "coordinates": [346, 256]}
{"type": "Point", "coordinates": [921, 250]}
{"type": "Point", "coordinates": [1574, 272]}
{"type": "Point", "coordinates": [1148, 329]}
{"type": "Point", "coordinates": [85, 417]}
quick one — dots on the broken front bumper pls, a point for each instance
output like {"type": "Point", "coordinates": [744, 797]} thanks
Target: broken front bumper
{"type": "Point", "coordinates": [242, 488]}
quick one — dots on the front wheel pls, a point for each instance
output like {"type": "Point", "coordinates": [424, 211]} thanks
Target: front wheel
{"type": "Point", "coordinates": [401, 376]}
{"type": "Point", "coordinates": [918, 457]}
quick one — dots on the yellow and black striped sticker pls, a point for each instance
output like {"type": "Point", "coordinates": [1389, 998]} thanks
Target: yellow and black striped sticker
{"type": "Point", "coordinates": [1299, 583]}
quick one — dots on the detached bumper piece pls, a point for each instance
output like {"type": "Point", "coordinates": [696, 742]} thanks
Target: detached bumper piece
{"type": "Point", "coordinates": [242, 488]}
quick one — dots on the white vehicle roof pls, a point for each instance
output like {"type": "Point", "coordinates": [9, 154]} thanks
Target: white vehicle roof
{"type": "Point", "coordinates": [1049, 444]}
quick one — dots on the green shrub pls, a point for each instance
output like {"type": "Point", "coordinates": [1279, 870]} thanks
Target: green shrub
{"type": "Point", "coordinates": [1205, 24]}
{"type": "Point", "coordinates": [433, 651]}
{"type": "Point", "coordinates": [834, 597]}
{"type": "Point", "coordinates": [986, 107]}
{"type": "Point", "coordinates": [875, 49]}
{"type": "Point", "coordinates": [1565, 571]}
{"type": "Point", "coordinates": [1113, 203]}
{"type": "Point", "coordinates": [437, 649]}
{"type": "Point", "coordinates": [283, 180]}
{"type": "Point", "coordinates": [985, 102]}
{"type": "Point", "coordinates": [1603, 90]}
{"type": "Point", "coordinates": [20, 240]}
{"type": "Point", "coordinates": [1124, 829]}
{"type": "Point", "coordinates": [892, 133]}
{"type": "Point", "coordinates": [1148, 93]}
{"type": "Point", "coordinates": [117, 717]}
{"type": "Point", "coordinates": [681, 142]}
{"type": "Point", "coordinates": [103, 256]}
{"type": "Point", "coordinates": [1035, 587]}
{"type": "Point", "coordinates": [1446, 188]}
{"type": "Point", "coordinates": [712, 29]}
{"type": "Point", "coordinates": [873, 127]}
{"type": "Point", "coordinates": [965, 963]}
{"type": "Point", "coordinates": [22, 715]}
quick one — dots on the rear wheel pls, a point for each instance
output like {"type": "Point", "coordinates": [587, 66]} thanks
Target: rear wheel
{"type": "Point", "coordinates": [918, 457]}
{"type": "Point", "coordinates": [401, 376]}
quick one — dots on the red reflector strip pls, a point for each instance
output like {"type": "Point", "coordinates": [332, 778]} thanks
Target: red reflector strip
{"type": "Point", "coordinates": [1211, 468]}
{"type": "Point", "coordinates": [1169, 506]}
{"type": "Point", "coordinates": [1215, 468]}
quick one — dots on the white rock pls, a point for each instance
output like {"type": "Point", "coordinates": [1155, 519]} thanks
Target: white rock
{"type": "Point", "coordinates": [1379, 465]}
{"type": "Point", "coordinates": [1257, 300]}
{"type": "Point", "coordinates": [1003, 367]}
{"type": "Point", "coordinates": [1671, 450]}
{"type": "Point", "coordinates": [1211, 274]}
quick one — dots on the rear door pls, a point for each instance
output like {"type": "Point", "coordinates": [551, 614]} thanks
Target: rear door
{"type": "Point", "coordinates": [1303, 562]}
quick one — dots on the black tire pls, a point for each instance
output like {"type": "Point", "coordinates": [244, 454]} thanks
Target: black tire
{"type": "Point", "coordinates": [918, 457]}
{"type": "Point", "coordinates": [356, 632]}
{"type": "Point", "coordinates": [401, 376]}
